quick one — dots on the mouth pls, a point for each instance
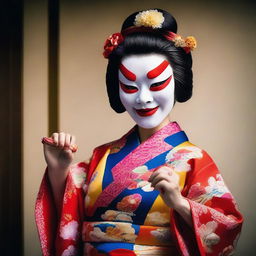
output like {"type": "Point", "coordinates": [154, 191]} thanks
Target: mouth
{"type": "Point", "coordinates": [146, 111]}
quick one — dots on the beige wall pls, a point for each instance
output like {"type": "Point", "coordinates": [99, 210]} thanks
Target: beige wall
{"type": "Point", "coordinates": [219, 118]}
{"type": "Point", "coordinates": [35, 114]}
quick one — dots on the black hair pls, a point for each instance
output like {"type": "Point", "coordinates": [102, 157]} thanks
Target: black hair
{"type": "Point", "coordinates": [152, 41]}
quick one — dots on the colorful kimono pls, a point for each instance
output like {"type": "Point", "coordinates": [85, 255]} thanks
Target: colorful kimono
{"type": "Point", "coordinates": [109, 207]}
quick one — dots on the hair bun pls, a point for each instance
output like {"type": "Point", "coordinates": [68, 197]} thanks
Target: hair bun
{"type": "Point", "coordinates": [153, 18]}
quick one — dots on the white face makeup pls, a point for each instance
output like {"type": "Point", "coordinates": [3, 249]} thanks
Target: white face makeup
{"type": "Point", "coordinates": [146, 88]}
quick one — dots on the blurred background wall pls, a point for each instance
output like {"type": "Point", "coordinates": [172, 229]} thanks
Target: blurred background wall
{"type": "Point", "coordinates": [220, 117]}
{"type": "Point", "coordinates": [35, 113]}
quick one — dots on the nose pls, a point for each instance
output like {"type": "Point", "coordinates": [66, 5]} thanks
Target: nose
{"type": "Point", "coordinates": [144, 96]}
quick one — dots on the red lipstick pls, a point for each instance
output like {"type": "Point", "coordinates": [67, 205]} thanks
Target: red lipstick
{"type": "Point", "coordinates": [146, 111]}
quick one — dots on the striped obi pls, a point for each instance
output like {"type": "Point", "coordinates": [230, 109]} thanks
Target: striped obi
{"type": "Point", "coordinates": [116, 238]}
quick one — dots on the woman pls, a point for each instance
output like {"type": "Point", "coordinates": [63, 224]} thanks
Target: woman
{"type": "Point", "coordinates": [151, 192]}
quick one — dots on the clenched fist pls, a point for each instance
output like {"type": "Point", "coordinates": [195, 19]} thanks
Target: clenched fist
{"type": "Point", "coordinates": [166, 181]}
{"type": "Point", "coordinates": [58, 150]}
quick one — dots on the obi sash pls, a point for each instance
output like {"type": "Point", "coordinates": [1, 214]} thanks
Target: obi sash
{"type": "Point", "coordinates": [129, 239]}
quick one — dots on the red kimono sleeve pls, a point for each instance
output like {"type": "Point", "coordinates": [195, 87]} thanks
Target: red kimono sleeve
{"type": "Point", "coordinates": [62, 237]}
{"type": "Point", "coordinates": [216, 219]}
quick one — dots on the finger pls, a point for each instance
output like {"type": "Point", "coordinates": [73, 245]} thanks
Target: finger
{"type": "Point", "coordinates": [162, 169]}
{"type": "Point", "coordinates": [61, 139]}
{"type": "Point", "coordinates": [160, 177]}
{"type": "Point", "coordinates": [46, 140]}
{"type": "Point", "coordinates": [72, 141]}
{"type": "Point", "coordinates": [55, 137]}
{"type": "Point", "coordinates": [67, 140]}
{"type": "Point", "coordinates": [162, 186]}
{"type": "Point", "coordinates": [153, 175]}
{"type": "Point", "coordinates": [73, 146]}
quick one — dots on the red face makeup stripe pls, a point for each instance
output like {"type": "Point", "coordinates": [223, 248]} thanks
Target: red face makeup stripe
{"type": "Point", "coordinates": [127, 89]}
{"type": "Point", "coordinates": [161, 86]}
{"type": "Point", "coordinates": [158, 70]}
{"type": "Point", "coordinates": [127, 73]}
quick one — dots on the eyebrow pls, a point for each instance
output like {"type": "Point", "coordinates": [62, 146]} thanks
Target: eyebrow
{"type": "Point", "coordinates": [127, 73]}
{"type": "Point", "coordinates": [158, 70]}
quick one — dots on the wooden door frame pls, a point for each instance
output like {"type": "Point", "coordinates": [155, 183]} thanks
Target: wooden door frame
{"type": "Point", "coordinates": [11, 67]}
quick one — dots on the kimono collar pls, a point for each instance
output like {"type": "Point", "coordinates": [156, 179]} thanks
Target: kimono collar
{"type": "Point", "coordinates": [166, 131]}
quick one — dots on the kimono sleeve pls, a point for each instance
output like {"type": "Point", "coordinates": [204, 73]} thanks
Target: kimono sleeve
{"type": "Point", "coordinates": [216, 219]}
{"type": "Point", "coordinates": [62, 237]}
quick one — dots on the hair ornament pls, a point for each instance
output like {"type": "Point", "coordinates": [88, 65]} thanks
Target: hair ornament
{"type": "Point", "coordinates": [111, 43]}
{"type": "Point", "coordinates": [148, 21]}
{"type": "Point", "coordinates": [191, 42]}
{"type": "Point", "coordinates": [188, 44]}
{"type": "Point", "coordinates": [149, 18]}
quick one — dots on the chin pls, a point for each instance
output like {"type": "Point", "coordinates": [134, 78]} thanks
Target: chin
{"type": "Point", "coordinates": [148, 124]}
{"type": "Point", "coordinates": [155, 121]}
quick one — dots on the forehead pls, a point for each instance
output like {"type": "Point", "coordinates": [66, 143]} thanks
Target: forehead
{"type": "Point", "coordinates": [142, 63]}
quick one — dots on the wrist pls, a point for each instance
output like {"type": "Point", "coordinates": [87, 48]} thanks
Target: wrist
{"type": "Point", "coordinates": [62, 169]}
{"type": "Point", "coordinates": [184, 210]}
{"type": "Point", "coordinates": [181, 205]}
{"type": "Point", "coordinates": [57, 175]}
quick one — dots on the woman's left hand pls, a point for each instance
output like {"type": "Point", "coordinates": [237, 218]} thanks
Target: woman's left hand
{"type": "Point", "coordinates": [166, 181]}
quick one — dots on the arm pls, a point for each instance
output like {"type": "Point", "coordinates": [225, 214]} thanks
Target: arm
{"type": "Point", "coordinates": [59, 157]}
{"type": "Point", "coordinates": [216, 221]}
{"type": "Point", "coordinates": [184, 210]}
{"type": "Point", "coordinates": [205, 204]}
{"type": "Point", "coordinates": [57, 180]}
{"type": "Point", "coordinates": [61, 189]}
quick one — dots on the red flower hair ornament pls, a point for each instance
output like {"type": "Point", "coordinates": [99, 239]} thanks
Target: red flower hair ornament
{"type": "Point", "coordinates": [111, 43]}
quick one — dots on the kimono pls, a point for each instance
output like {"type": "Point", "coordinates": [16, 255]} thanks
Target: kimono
{"type": "Point", "coordinates": [109, 207]}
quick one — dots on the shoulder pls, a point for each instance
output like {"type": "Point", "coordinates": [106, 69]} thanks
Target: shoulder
{"type": "Point", "coordinates": [196, 162]}
{"type": "Point", "coordinates": [188, 157]}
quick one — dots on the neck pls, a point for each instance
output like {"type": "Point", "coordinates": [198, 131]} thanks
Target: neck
{"type": "Point", "coordinates": [146, 133]}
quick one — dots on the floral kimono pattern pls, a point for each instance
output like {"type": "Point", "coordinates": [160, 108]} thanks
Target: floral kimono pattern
{"type": "Point", "coordinates": [109, 207]}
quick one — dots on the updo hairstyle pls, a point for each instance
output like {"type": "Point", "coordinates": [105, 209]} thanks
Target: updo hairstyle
{"type": "Point", "coordinates": [146, 42]}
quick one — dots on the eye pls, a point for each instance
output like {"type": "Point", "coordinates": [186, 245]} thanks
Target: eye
{"type": "Point", "coordinates": [128, 88]}
{"type": "Point", "coordinates": [160, 85]}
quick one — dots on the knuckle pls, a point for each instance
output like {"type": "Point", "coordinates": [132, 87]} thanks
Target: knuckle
{"type": "Point", "coordinates": [162, 175]}
{"type": "Point", "coordinates": [61, 143]}
{"type": "Point", "coordinates": [165, 168]}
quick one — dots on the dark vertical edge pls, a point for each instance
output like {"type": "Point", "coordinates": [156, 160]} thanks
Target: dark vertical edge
{"type": "Point", "coordinates": [21, 22]}
{"type": "Point", "coordinates": [53, 66]}
{"type": "Point", "coordinates": [11, 113]}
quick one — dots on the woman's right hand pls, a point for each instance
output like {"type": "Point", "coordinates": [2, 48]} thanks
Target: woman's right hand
{"type": "Point", "coordinates": [59, 155]}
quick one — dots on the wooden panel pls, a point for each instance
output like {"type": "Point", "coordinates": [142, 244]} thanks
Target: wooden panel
{"type": "Point", "coordinates": [10, 128]}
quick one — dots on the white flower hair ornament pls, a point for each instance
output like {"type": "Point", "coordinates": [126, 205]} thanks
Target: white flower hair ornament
{"type": "Point", "coordinates": [148, 21]}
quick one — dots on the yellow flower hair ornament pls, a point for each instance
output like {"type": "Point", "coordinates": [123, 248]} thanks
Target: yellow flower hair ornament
{"type": "Point", "coordinates": [188, 44]}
